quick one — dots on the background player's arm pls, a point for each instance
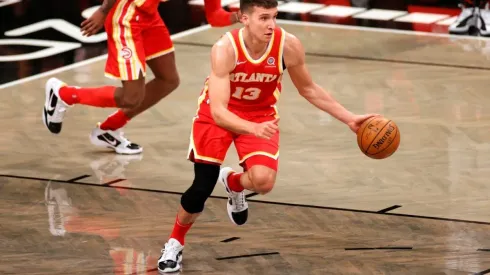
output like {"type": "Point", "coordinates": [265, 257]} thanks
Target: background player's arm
{"type": "Point", "coordinates": [294, 58]}
{"type": "Point", "coordinates": [222, 64]}
{"type": "Point", "coordinates": [93, 24]}
{"type": "Point", "coordinates": [107, 6]}
{"type": "Point", "coordinates": [217, 16]}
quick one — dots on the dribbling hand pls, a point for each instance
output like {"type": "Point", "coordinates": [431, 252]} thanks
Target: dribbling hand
{"type": "Point", "coordinates": [266, 129]}
{"type": "Point", "coordinates": [357, 121]}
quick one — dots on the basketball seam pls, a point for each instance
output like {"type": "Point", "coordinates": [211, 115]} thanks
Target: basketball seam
{"type": "Point", "coordinates": [362, 134]}
{"type": "Point", "coordinates": [388, 145]}
{"type": "Point", "coordinates": [377, 136]}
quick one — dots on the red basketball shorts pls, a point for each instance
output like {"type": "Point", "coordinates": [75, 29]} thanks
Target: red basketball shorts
{"type": "Point", "coordinates": [133, 36]}
{"type": "Point", "coordinates": [209, 144]}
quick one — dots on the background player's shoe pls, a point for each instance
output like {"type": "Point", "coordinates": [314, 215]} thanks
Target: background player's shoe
{"type": "Point", "coordinates": [237, 205]}
{"type": "Point", "coordinates": [484, 21]}
{"type": "Point", "coordinates": [54, 108]}
{"type": "Point", "coordinates": [114, 140]}
{"type": "Point", "coordinates": [467, 18]}
{"type": "Point", "coordinates": [171, 257]}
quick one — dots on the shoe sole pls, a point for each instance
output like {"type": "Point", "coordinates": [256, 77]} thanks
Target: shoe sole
{"type": "Point", "coordinates": [176, 269]}
{"type": "Point", "coordinates": [47, 88]}
{"type": "Point", "coordinates": [46, 103]}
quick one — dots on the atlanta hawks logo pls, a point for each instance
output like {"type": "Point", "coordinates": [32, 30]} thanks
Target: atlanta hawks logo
{"type": "Point", "coordinates": [126, 53]}
{"type": "Point", "coordinates": [271, 61]}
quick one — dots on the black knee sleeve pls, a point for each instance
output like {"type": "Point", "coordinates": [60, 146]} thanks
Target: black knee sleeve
{"type": "Point", "coordinates": [205, 178]}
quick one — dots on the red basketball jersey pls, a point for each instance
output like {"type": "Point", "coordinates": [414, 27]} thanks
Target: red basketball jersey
{"type": "Point", "coordinates": [149, 6]}
{"type": "Point", "coordinates": [255, 84]}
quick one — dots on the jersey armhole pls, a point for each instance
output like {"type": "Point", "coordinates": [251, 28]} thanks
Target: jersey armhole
{"type": "Point", "coordinates": [235, 49]}
{"type": "Point", "coordinates": [282, 65]}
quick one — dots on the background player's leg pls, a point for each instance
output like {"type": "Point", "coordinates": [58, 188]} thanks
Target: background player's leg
{"type": "Point", "coordinates": [60, 96]}
{"type": "Point", "coordinates": [160, 56]}
{"type": "Point", "coordinates": [128, 96]}
{"type": "Point", "coordinates": [107, 134]}
{"type": "Point", "coordinates": [166, 80]}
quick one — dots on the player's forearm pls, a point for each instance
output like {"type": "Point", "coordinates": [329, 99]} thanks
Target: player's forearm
{"type": "Point", "coordinates": [216, 15]}
{"type": "Point", "coordinates": [231, 122]}
{"type": "Point", "coordinates": [107, 6]}
{"type": "Point", "coordinates": [325, 102]}
{"type": "Point", "coordinates": [219, 18]}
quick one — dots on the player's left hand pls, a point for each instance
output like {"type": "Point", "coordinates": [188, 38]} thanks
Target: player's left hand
{"type": "Point", "coordinates": [93, 24]}
{"type": "Point", "coordinates": [357, 121]}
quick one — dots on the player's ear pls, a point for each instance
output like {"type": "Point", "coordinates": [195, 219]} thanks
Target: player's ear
{"type": "Point", "coordinates": [245, 18]}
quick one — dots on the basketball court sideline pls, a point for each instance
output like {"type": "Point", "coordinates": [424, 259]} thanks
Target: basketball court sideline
{"type": "Point", "coordinates": [333, 210]}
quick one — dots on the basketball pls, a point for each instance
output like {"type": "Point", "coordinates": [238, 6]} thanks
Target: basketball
{"type": "Point", "coordinates": [378, 137]}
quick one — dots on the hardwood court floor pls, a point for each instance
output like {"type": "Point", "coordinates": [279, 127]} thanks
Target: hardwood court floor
{"type": "Point", "coordinates": [437, 181]}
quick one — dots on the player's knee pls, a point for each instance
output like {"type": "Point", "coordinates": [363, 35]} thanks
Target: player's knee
{"type": "Point", "coordinates": [206, 176]}
{"type": "Point", "coordinates": [131, 96]}
{"type": "Point", "coordinates": [171, 81]}
{"type": "Point", "coordinates": [263, 181]}
{"type": "Point", "coordinates": [132, 101]}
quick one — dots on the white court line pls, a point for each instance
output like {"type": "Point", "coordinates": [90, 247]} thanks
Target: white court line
{"type": "Point", "coordinates": [92, 60]}
{"type": "Point", "coordinates": [8, 2]}
{"type": "Point", "coordinates": [280, 21]}
{"type": "Point", "coordinates": [373, 29]}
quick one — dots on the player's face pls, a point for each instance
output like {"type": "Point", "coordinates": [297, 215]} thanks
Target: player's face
{"type": "Point", "coordinates": [261, 23]}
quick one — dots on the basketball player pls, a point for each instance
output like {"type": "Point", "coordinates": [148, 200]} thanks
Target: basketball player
{"type": "Point", "coordinates": [136, 35]}
{"type": "Point", "coordinates": [237, 105]}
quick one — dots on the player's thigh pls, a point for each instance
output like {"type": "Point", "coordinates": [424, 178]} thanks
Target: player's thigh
{"type": "Point", "coordinates": [208, 143]}
{"type": "Point", "coordinates": [254, 151]}
{"type": "Point", "coordinates": [159, 50]}
{"type": "Point", "coordinates": [126, 53]}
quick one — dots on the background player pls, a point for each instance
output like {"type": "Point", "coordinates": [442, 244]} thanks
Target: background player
{"type": "Point", "coordinates": [237, 105]}
{"type": "Point", "coordinates": [136, 35]}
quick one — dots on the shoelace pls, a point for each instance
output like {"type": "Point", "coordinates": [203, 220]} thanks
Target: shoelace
{"type": "Point", "coordinates": [239, 201]}
{"type": "Point", "coordinates": [59, 113]}
{"type": "Point", "coordinates": [169, 253]}
{"type": "Point", "coordinates": [121, 137]}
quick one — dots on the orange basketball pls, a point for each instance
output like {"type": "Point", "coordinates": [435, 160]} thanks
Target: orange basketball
{"type": "Point", "coordinates": [378, 137]}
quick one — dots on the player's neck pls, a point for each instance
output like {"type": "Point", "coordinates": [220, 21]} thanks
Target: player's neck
{"type": "Point", "coordinates": [255, 47]}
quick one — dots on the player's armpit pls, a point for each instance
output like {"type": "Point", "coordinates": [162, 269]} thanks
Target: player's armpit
{"type": "Point", "coordinates": [222, 64]}
{"type": "Point", "coordinates": [294, 57]}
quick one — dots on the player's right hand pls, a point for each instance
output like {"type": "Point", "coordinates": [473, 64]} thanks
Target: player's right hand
{"type": "Point", "coordinates": [93, 24]}
{"type": "Point", "coordinates": [266, 129]}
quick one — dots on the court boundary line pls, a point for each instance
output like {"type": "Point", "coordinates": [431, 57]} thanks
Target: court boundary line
{"type": "Point", "coordinates": [255, 201]}
{"type": "Point", "coordinates": [91, 60]}
{"type": "Point", "coordinates": [374, 29]}
{"type": "Point", "coordinates": [279, 21]}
